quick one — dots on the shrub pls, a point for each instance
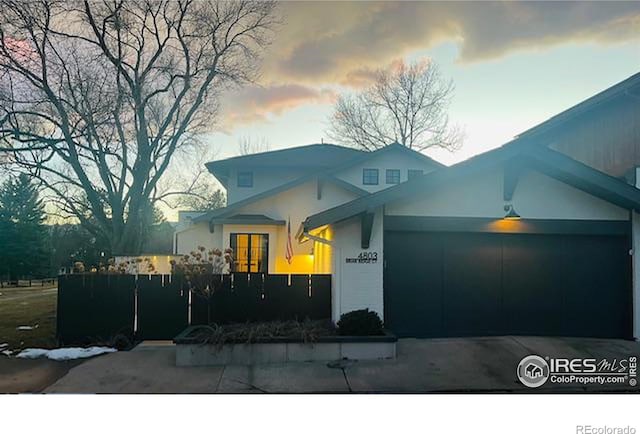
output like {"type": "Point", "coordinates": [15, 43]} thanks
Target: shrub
{"type": "Point", "coordinates": [360, 323]}
{"type": "Point", "coordinates": [308, 331]}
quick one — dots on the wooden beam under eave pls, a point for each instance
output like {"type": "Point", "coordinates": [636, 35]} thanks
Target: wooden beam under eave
{"type": "Point", "coordinates": [366, 227]}
{"type": "Point", "coordinates": [511, 177]}
{"type": "Point", "coordinates": [319, 188]}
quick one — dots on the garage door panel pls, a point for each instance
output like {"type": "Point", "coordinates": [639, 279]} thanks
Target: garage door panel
{"type": "Point", "coordinates": [414, 303]}
{"type": "Point", "coordinates": [462, 284]}
{"type": "Point", "coordinates": [532, 284]}
{"type": "Point", "coordinates": [597, 268]}
{"type": "Point", "coordinates": [472, 280]}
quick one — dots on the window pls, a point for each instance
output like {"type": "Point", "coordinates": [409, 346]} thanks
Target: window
{"type": "Point", "coordinates": [250, 253]}
{"type": "Point", "coordinates": [413, 173]}
{"type": "Point", "coordinates": [393, 176]}
{"type": "Point", "coordinates": [370, 176]}
{"type": "Point", "coordinates": [245, 179]}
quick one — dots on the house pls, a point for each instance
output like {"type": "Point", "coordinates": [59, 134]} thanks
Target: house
{"type": "Point", "coordinates": [522, 239]}
{"type": "Point", "coordinates": [270, 194]}
{"type": "Point", "coordinates": [519, 240]}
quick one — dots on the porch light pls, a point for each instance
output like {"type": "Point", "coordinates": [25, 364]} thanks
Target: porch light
{"type": "Point", "coordinates": [511, 213]}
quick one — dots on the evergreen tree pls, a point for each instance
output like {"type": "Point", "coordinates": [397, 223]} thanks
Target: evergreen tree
{"type": "Point", "coordinates": [23, 235]}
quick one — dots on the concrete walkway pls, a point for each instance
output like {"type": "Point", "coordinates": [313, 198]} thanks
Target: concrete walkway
{"type": "Point", "coordinates": [422, 365]}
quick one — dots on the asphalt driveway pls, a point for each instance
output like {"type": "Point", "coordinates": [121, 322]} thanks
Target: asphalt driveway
{"type": "Point", "coordinates": [422, 365]}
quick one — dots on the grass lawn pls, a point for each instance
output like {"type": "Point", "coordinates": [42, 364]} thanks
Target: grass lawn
{"type": "Point", "coordinates": [28, 307]}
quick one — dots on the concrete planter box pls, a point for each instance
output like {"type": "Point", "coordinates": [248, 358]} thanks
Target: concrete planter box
{"type": "Point", "coordinates": [280, 350]}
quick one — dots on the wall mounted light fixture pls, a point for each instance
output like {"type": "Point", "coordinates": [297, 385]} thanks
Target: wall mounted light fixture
{"type": "Point", "coordinates": [511, 213]}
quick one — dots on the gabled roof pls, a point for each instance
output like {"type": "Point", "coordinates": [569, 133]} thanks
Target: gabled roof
{"type": "Point", "coordinates": [236, 206]}
{"type": "Point", "coordinates": [395, 146]}
{"type": "Point", "coordinates": [327, 174]}
{"type": "Point", "coordinates": [550, 162]}
{"type": "Point", "coordinates": [628, 88]}
{"type": "Point", "coordinates": [313, 157]}
{"type": "Point", "coordinates": [247, 219]}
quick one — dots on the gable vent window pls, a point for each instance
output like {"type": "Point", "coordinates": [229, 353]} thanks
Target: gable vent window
{"type": "Point", "coordinates": [370, 176]}
{"type": "Point", "coordinates": [393, 176]}
{"type": "Point", "coordinates": [245, 179]}
{"type": "Point", "coordinates": [412, 173]}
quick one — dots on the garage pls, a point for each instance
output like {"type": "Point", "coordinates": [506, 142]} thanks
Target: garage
{"type": "Point", "coordinates": [515, 241]}
{"type": "Point", "coordinates": [448, 284]}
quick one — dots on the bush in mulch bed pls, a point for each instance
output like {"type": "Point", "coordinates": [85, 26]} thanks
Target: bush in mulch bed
{"type": "Point", "coordinates": [307, 331]}
{"type": "Point", "coordinates": [361, 322]}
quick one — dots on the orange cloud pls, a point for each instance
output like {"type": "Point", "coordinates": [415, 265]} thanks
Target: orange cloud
{"type": "Point", "coordinates": [257, 103]}
{"type": "Point", "coordinates": [322, 45]}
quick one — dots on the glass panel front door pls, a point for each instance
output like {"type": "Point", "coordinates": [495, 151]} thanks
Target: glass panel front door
{"type": "Point", "coordinates": [251, 253]}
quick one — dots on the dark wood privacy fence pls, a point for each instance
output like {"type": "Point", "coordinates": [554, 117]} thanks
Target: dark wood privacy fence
{"type": "Point", "coordinates": [94, 308]}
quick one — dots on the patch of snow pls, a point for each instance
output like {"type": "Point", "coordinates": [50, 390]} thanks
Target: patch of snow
{"type": "Point", "coordinates": [24, 328]}
{"type": "Point", "coordinates": [64, 353]}
{"type": "Point", "coordinates": [2, 346]}
{"type": "Point", "coordinates": [6, 353]}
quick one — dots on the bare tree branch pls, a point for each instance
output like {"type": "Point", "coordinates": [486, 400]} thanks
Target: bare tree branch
{"type": "Point", "coordinates": [407, 105]}
{"type": "Point", "coordinates": [97, 97]}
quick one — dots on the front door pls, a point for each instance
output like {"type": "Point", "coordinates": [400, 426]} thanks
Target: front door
{"type": "Point", "coordinates": [250, 252]}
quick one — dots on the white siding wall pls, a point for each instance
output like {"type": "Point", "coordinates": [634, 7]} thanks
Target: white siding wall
{"type": "Point", "coordinates": [263, 180]}
{"type": "Point", "coordinates": [356, 286]}
{"type": "Point", "coordinates": [389, 160]}
{"type": "Point", "coordinates": [536, 197]}
{"type": "Point", "coordinates": [197, 235]}
{"type": "Point", "coordinates": [297, 204]}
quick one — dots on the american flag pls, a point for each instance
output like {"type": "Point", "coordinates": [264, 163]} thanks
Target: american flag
{"type": "Point", "coordinates": [289, 255]}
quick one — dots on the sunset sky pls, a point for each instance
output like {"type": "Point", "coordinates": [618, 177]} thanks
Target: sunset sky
{"type": "Point", "coordinates": [513, 64]}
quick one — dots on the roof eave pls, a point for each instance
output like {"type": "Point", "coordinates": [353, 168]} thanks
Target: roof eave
{"type": "Point", "coordinates": [548, 161]}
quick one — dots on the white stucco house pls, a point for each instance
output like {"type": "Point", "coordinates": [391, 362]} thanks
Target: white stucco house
{"type": "Point", "coordinates": [272, 193]}
{"type": "Point", "coordinates": [522, 239]}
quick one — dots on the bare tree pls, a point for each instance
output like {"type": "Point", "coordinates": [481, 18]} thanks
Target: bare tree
{"type": "Point", "coordinates": [97, 96]}
{"type": "Point", "coordinates": [407, 105]}
{"type": "Point", "coordinates": [250, 146]}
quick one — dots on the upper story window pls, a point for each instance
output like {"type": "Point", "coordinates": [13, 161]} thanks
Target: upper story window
{"type": "Point", "coordinates": [412, 173]}
{"type": "Point", "coordinates": [370, 176]}
{"type": "Point", "coordinates": [393, 176]}
{"type": "Point", "coordinates": [245, 179]}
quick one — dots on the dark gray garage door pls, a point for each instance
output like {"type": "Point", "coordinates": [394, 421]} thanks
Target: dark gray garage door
{"type": "Point", "coordinates": [474, 284]}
